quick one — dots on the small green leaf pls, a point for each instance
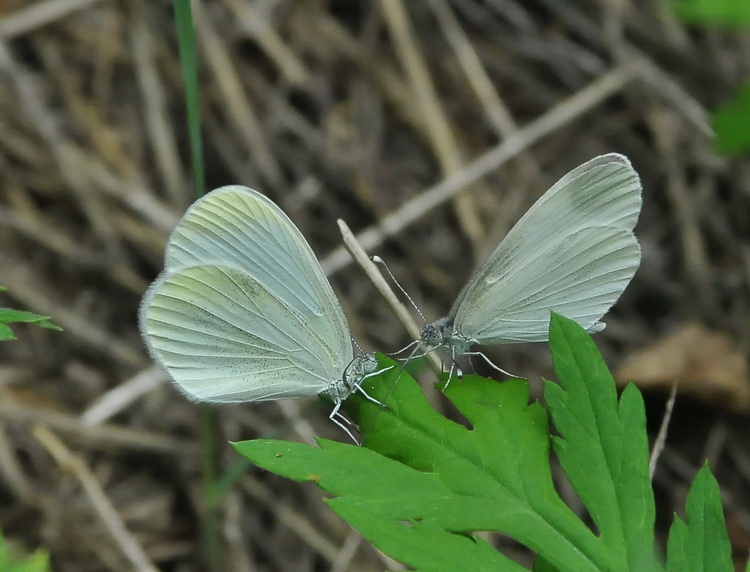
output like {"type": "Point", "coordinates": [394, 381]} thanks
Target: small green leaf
{"type": "Point", "coordinates": [6, 333]}
{"type": "Point", "coordinates": [10, 316]}
{"type": "Point", "coordinates": [732, 13]}
{"type": "Point", "coordinates": [13, 561]}
{"type": "Point", "coordinates": [731, 122]}
{"type": "Point", "coordinates": [700, 542]}
{"type": "Point", "coordinates": [603, 446]}
{"type": "Point", "coordinates": [429, 480]}
{"type": "Point", "coordinates": [541, 565]}
{"type": "Point", "coordinates": [183, 14]}
{"type": "Point", "coordinates": [425, 545]}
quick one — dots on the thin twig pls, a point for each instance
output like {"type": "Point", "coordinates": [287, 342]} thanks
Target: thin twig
{"type": "Point", "coordinates": [39, 14]}
{"type": "Point", "coordinates": [435, 122]}
{"type": "Point", "coordinates": [496, 111]}
{"type": "Point", "coordinates": [239, 108]}
{"type": "Point", "coordinates": [101, 437]}
{"type": "Point", "coordinates": [661, 437]}
{"type": "Point", "coordinates": [381, 285]}
{"type": "Point", "coordinates": [291, 410]}
{"type": "Point", "coordinates": [562, 114]}
{"type": "Point", "coordinates": [155, 106]}
{"type": "Point", "coordinates": [129, 545]}
{"type": "Point", "coordinates": [120, 397]}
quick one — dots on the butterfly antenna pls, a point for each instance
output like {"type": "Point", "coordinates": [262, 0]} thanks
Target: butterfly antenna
{"type": "Point", "coordinates": [435, 364]}
{"type": "Point", "coordinates": [379, 260]}
{"type": "Point", "coordinates": [406, 347]}
{"type": "Point", "coordinates": [357, 346]}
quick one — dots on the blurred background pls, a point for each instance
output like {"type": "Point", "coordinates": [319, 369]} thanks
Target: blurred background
{"type": "Point", "coordinates": [431, 126]}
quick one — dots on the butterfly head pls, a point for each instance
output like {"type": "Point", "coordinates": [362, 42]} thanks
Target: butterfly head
{"type": "Point", "coordinates": [365, 364]}
{"type": "Point", "coordinates": [430, 335]}
{"type": "Point", "coordinates": [355, 373]}
{"type": "Point", "coordinates": [436, 334]}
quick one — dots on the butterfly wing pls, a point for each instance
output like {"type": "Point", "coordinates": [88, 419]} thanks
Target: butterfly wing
{"type": "Point", "coordinates": [585, 274]}
{"type": "Point", "coordinates": [239, 226]}
{"type": "Point", "coordinates": [224, 336]}
{"type": "Point", "coordinates": [573, 251]}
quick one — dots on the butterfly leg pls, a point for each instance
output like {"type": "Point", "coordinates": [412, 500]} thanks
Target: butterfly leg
{"type": "Point", "coordinates": [459, 371]}
{"type": "Point", "coordinates": [374, 373]}
{"type": "Point", "coordinates": [358, 386]}
{"type": "Point", "coordinates": [450, 376]}
{"type": "Point", "coordinates": [369, 397]}
{"type": "Point", "coordinates": [492, 365]}
{"type": "Point", "coordinates": [335, 416]}
{"type": "Point", "coordinates": [454, 367]}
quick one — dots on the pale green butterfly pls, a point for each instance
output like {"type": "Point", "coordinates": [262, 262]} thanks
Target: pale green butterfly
{"type": "Point", "coordinates": [573, 252]}
{"type": "Point", "coordinates": [243, 311]}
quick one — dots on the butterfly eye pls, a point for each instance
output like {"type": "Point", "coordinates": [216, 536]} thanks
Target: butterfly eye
{"type": "Point", "coordinates": [369, 364]}
{"type": "Point", "coordinates": [430, 335]}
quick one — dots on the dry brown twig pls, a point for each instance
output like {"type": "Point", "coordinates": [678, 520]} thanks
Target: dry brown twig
{"type": "Point", "coordinates": [563, 113]}
{"type": "Point", "coordinates": [435, 120]}
{"type": "Point", "coordinates": [661, 437]}
{"type": "Point", "coordinates": [121, 536]}
{"type": "Point", "coordinates": [381, 285]}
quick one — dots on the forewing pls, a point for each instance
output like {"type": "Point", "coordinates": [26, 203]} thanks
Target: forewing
{"type": "Point", "coordinates": [238, 226]}
{"type": "Point", "coordinates": [580, 277]}
{"type": "Point", "coordinates": [604, 191]}
{"type": "Point", "coordinates": [224, 336]}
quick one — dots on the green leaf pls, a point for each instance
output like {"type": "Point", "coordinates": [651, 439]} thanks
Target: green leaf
{"type": "Point", "coordinates": [423, 483]}
{"type": "Point", "coordinates": [734, 13]}
{"type": "Point", "coordinates": [603, 445]}
{"type": "Point", "coordinates": [12, 560]}
{"type": "Point", "coordinates": [700, 542]}
{"type": "Point", "coordinates": [374, 505]}
{"type": "Point", "coordinates": [10, 316]}
{"type": "Point", "coordinates": [189, 68]}
{"type": "Point", "coordinates": [6, 333]}
{"type": "Point", "coordinates": [731, 122]}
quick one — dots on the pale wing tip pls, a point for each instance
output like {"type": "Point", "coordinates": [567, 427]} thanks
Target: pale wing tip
{"type": "Point", "coordinates": [207, 200]}
{"type": "Point", "coordinates": [612, 158]}
{"type": "Point", "coordinates": [596, 327]}
{"type": "Point", "coordinates": [230, 189]}
{"type": "Point", "coordinates": [606, 159]}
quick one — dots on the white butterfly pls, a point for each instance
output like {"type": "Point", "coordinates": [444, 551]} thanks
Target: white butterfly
{"type": "Point", "coordinates": [573, 252]}
{"type": "Point", "coordinates": [243, 311]}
